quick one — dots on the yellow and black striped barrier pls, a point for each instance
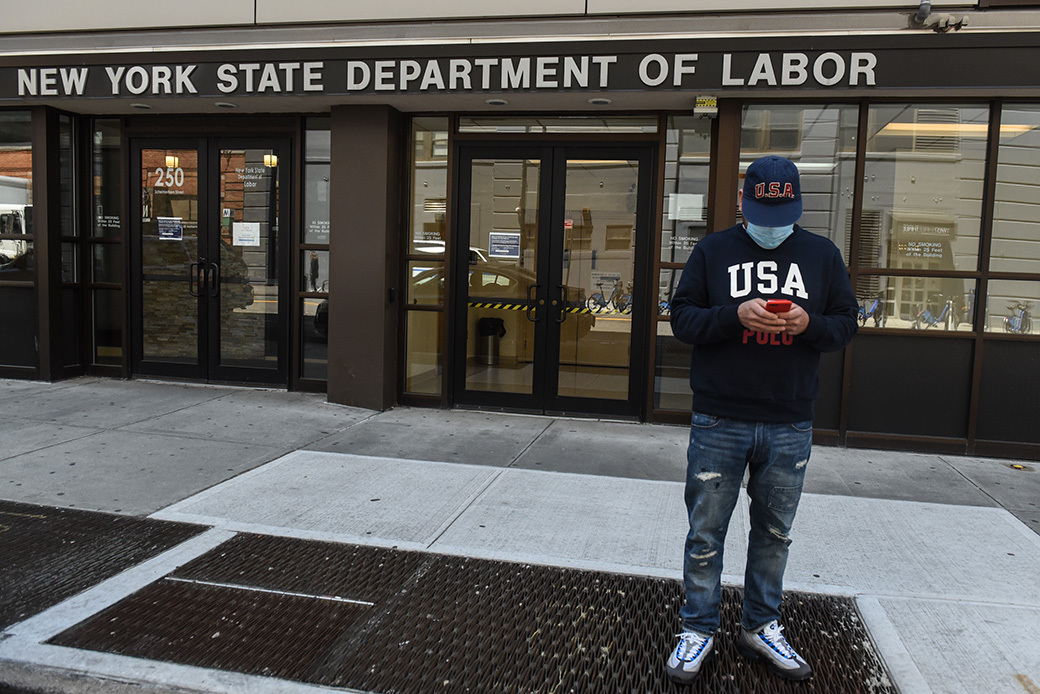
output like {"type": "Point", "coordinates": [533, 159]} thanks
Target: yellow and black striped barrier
{"type": "Point", "coordinates": [502, 306]}
{"type": "Point", "coordinates": [498, 305]}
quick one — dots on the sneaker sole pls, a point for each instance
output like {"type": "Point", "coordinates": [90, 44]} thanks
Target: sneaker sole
{"type": "Point", "coordinates": [689, 678]}
{"type": "Point", "coordinates": [792, 675]}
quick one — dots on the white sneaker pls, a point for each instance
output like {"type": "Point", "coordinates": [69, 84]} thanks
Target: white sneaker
{"type": "Point", "coordinates": [769, 645]}
{"type": "Point", "coordinates": [684, 663]}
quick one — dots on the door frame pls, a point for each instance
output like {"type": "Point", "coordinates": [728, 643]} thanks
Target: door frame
{"type": "Point", "coordinates": [207, 367]}
{"type": "Point", "coordinates": [554, 155]}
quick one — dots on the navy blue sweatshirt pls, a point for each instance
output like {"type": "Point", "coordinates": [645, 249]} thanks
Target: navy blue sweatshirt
{"type": "Point", "coordinates": [744, 374]}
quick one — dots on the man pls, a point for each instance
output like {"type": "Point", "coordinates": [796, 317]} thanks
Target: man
{"type": "Point", "coordinates": [754, 381]}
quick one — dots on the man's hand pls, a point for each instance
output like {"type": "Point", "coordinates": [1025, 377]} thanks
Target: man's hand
{"type": "Point", "coordinates": [754, 316]}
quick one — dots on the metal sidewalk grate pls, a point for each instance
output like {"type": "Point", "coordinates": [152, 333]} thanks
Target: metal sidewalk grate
{"type": "Point", "coordinates": [382, 620]}
{"type": "Point", "coordinates": [50, 554]}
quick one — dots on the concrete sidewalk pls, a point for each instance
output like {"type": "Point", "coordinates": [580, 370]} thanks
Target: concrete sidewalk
{"type": "Point", "coordinates": [942, 553]}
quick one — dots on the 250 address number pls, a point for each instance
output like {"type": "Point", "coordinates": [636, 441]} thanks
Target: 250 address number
{"type": "Point", "coordinates": [169, 177]}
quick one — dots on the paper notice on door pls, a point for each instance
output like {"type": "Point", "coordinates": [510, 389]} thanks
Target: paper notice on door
{"type": "Point", "coordinates": [170, 228]}
{"type": "Point", "coordinates": [503, 244]}
{"type": "Point", "coordinates": [245, 233]}
{"type": "Point", "coordinates": [686, 207]}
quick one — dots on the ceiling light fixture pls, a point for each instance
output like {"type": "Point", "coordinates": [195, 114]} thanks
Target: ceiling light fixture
{"type": "Point", "coordinates": [600, 101]}
{"type": "Point", "coordinates": [225, 104]}
{"type": "Point", "coordinates": [141, 107]}
{"type": "Point", "coordinates": [496, 102]}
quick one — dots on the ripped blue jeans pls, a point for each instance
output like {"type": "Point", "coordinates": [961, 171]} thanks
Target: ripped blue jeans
{"type": "Point", "coordinates": [776, 456]}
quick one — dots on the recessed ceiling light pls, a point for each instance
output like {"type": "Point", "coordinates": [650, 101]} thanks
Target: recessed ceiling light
{"type": "Point", "coordinates": [496, 102]}
{"type": "Point", "coordinates": [141, 107]}
{"type": "Point", "coordinates": [225, 104]}
{"type": "Point", "coordinates": [600, 101]}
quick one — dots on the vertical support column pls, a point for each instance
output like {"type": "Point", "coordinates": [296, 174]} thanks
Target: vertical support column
{"type": "Point", "coordinates": [365, 211]}
{"type": "Point", "coordinates": [725, 145]}
{"type": "Point", "coordinates": [47, 241]}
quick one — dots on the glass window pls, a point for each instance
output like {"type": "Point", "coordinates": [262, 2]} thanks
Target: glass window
{"type": "Point", "coordinates": [17, 264]}
{"type": "Point", "coordinates": [1011, 307]}
{"type": "Point", "coordinates": [917, 303]}
{"type": "Point", "coordinates": [687, 164]}
{"type": "Point", "coordinates": [314, 257]}
{"type": "Point", "coordinates": [69, 267]}
{"type": "Point", "coordinates": [429, 201]}
{"type": "Point", "coordinates": [18, 317]}
{"type": "Point", "coordinates": [315, 329]}
{"type": "Point", "coordinates": [108, 326]}
{"type": "Point", "coordinates": [16, 216]}
{"type": "Point", "coordinates": [923, 186]}
{"type": "Point", "coordinates": [821, 141]}
{"type": "Point", "coordinates": [107, 181]}
{"type": "Point", "coordinates": [666, 289]}
{"type": "Point", "coordinates": [672, 372]}
{"type": "Point", "coordinates": [314, 271]}
{"type": "Point", "coordinates": [316, 172]}
{"type": "Point", "coordinates": [71, 303]}
{"type": "Point", "coordinates": [1016, 210]}
{"type": "Point", "coordinates": [106, 259]}
{"type": "Point", "coordinates": [67, 178]}
{"type": "Point", "coordinates": [108, 263]}
{"type": "Point", "coordinates": [422, 358]}
{"type": "Point", "coordinates": [17, 260]}
{"type": "Point", "coordinates": [426, 283]}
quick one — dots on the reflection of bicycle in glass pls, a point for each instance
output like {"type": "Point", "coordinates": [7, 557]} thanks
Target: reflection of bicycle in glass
{"type": "Point", "coordinates": [1019, 320]}
{"type": "Point", "coordinates": [619, 300]}
{"type": "Point", "coordinates": [949, 316]}
{"type": "Point", "coordinates": [876, 310]}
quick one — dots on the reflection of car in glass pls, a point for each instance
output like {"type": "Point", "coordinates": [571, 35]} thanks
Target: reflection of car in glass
{"type": "Point", "coordinates": [476, 255]}
{"type": "Point", "coordinates": [501, 283]}
{"type": "Point", "coordinates": [321, 318]}
{"type": "Point", "coordinates": [17, 266]}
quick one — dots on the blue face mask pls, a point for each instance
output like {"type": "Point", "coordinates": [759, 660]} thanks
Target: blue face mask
{"type": "Point", "coordinates": [769, 237]}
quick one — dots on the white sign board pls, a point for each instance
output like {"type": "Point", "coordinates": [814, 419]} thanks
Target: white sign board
{"type": "Point", "coordinates": [245, 234]}
{"type": "Point", "coordinates": [686, 207]}
{"type": "Point", "coordinates": [170, 228]}
{"type": "Point", "coordinates": [503, 244]}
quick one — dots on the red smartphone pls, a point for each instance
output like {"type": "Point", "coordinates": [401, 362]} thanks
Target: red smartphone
{"type": "Point", "coordinates": [778, 305]}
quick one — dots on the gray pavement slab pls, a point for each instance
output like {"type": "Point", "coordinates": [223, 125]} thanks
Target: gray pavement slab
{"type": "Point", "coordinates": [341, 497]}
{"type": "Point", "coordinates": [106, 404]}
{"type": "Point", "coordinates": [124, 471]}
{"type": "Point", "coordinates": [962, 647]}
{"type": "Point", "coordinates": [450, 436]}
{"type": "Point", "coordinates": [1014, 489]}
{"type": "Point", "coordinates": [23, 436]}
{"type": "Point", "coordinates": [908, 548]}
{"type": "Point", "coordinates": [585, 521]}
{"type": "Point", "coordinates": [250, 416]}
{"type": "Point", "coordinates": [890, 475]}
{"type": "Point", "coordinates": [642, 451]}
{"type": "Point", "coordinates": [1030, 518]}
{"type": "Point", "coordinates": [11, 388]}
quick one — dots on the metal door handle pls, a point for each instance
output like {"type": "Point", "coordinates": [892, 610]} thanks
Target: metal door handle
{"type": "Point", "coordinates": [193, 279]}
{"type": "Point", "coordinates": [213, 279]}
{"type": "Point", "coordinates": [530, 303]}
{"type": "Point", "coordinates": [563, 304]}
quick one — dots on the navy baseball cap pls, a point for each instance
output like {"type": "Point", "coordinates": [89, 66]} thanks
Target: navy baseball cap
{"type": "Point", "coordinates": [772, 192]}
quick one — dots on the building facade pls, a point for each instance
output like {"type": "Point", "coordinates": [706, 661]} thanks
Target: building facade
{"type": "Point", "coordinates": [463, 205]}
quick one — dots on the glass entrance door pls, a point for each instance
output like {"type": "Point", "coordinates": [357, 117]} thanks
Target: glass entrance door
{"type": "Point", "coordinates": [550, 288]}
{"type": "Point", "coordinates": [209, 260]}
